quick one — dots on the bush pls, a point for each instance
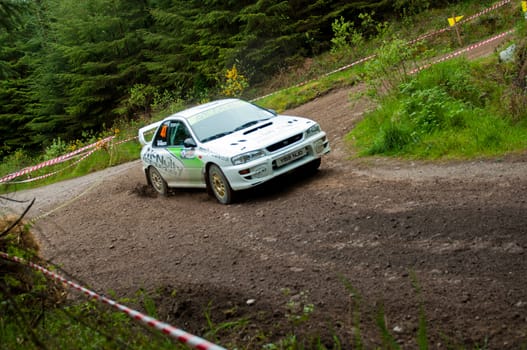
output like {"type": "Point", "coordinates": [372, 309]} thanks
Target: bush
{"type": "Point", "coordinates": [391, 139]}
{"type": "Point", "coordinates": [235, 83]}
{"type": "Point", "coordinates": [57, 148]}
{"type": "Point", "coordinates": [441, 113]}
{"type": "Point", "coordinates": [432, 109]}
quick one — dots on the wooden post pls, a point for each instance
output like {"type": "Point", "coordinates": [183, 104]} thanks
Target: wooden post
{"type": "Point", "coordinates": [456, 27]}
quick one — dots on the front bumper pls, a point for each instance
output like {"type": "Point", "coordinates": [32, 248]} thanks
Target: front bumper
{"type": "Point", "coordinates": [274, 164]}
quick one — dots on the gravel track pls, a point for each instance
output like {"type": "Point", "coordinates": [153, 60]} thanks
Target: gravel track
{"type": "Point", "coordinates": [355, 236]}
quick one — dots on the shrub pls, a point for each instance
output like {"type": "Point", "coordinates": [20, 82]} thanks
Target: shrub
{"type": "Point", "coordinates": [392, 138]}
{"type": "Point", "coordinates": [342, 32]}
{"type": "Point", "coordinates": [441, 113]}
{"type": "Point", "coordinates": [235, 83]}
{"type": "Point", "coordinates": [58, 147]}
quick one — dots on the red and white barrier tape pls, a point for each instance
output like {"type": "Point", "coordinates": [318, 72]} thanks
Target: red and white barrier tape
{"type": "Point", "coordinates": [362, 60]}
{"type": "Point", "coordinates": [176, 333]}
{"type": "Point", "coordinates": [411, 42]}
{"type": "Point", "coordinates": [468, 19]}
{"type": "Point", "coordinates": [493, 7]}
{"type": "Point", "coordinates": [54, 161]}
{"type": "Point", "coordinates": [462, 51]}
{"type": "Point", "coordinates": [86, 155]}
{"type": "Point", "coordinates": [485, 11]}
{"type": "Point", "coordinates": [124, 141]}
{"type": "Point", "coordinates": [61, 159]}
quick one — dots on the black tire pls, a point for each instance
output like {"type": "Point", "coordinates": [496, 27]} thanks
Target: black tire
{"type": "Point", "coordinates": [157, 182]}
{"type": "Point", "coordinates": [312, 167]}
{"type": "Point", "coordinates": [219, 186]}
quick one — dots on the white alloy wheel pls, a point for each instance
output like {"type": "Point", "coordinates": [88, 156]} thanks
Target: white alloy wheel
{"type": "Point", "coordinates": [156, 180]}
{"type": "Point", "coordinates": [219, 185]}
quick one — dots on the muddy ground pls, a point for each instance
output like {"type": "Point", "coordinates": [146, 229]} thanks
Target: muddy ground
{"type": "Point", "coordinates": [443, 240]}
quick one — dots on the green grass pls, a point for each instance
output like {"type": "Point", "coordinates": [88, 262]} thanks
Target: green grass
{"type": "Point", "coordinates": [298, 95]}
{"type": "Point", "coordinates": [109, 155]}
{"type": "Point", "coordinates": [80, 326]}
{"type": "Point", "coordinates": [450, 111]}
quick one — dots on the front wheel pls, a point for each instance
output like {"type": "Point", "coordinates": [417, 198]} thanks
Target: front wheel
{"type": "Point", "coordinates": [312, 167]}
{"type": "Point", "coordinates": [219, 186]}
{"type": "Point", "coordinates": [156, 180]}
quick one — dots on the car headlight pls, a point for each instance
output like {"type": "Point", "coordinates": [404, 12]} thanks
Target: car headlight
{"type": "Point", "coordinates": [313, 130]}
{"type": "Point", "coordinates": [247, 157]}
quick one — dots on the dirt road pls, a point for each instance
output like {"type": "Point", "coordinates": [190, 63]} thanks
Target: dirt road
{"type": "Point", "coordinates": [357, 236]}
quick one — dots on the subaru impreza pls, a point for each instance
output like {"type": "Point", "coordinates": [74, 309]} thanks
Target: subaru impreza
{"type": "Point", "coordinates": [227, 146]}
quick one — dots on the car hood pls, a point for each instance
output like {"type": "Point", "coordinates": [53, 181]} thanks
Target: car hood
{"type": "Point", "coordinates": [259, 136]}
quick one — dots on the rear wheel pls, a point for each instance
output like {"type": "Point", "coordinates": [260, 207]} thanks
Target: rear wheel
{"type": "Point", "coordinates": [156, 180]}
{"type": "Point", "coordinates": [219, 186]}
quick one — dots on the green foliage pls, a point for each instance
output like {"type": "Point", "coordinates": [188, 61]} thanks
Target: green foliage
{"type": "Point", "coordinates": [410, 7]}
{"type": "Point", "coordinates": [215, 330]}
{"type": "Point", "coordinates": [432, 109]}
{"type": "Point", "coordinates": [167, 101]}
{"type": "Point", "coordinates": [422, 338]}
{"type": "Point", "coordinates": [11, 13]}
{"type": "Point", "coordinates": [235, 83]}
{"type": "Point", "coordinates": [355, 300]}
{"type": "Point", "coordinates": [348, 39]}
{"type": "Point", "coordinates": [141, 99]}
{"type": "Point", "coordinates": [81, 326]}
{"type": "Point", "coordinates": [35, 314]}
{"type": "Point", "coordinates": [370, 27]}
{"type": "Point", "coordinates": [296, 96]}
{"type": "Point", "coordinates": [148, 303]}
{"type": "Point", "coordinates": [15, 86]}
{"type": "Point", "coordinates": [390, 66]}
{"type": "Point", "coordinates": [16, 161]}
{"type": "Point", "coordinates": [342, 31]}
{"type": "Point", "coordinates": [454, 78]}
{"type": "Point", "coordinates": [299, 309]}
{"type": "Point", "coordinates": [103, 157]}
{"type": "Point", "coordinates": [440, 113]}
{"type": "Point", "coordinates": [388, 340]}
{"type": "Point", "coordinates": [85, 69]}
{"type": "Point", "coordinates": [57, 148]}
{"type": "Point", "coordinates": [392, 139]}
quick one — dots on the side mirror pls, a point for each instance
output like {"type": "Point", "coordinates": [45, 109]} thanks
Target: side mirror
{"type": "Point", "coordinates": [189, 143]}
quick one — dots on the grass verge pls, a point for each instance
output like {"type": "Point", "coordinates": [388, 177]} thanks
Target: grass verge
{"type": "Point", "coordinates": [450, 111]}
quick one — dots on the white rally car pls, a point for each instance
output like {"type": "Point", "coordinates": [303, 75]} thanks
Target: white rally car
{"type": "Point", "coordinates": [226, 146]}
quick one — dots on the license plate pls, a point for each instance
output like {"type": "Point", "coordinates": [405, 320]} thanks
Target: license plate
{"type": "Point", "coordinates": [288, 158]}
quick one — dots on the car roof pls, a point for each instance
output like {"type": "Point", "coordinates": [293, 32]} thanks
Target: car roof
{"type": "Point", "coordinates": [192, 111]}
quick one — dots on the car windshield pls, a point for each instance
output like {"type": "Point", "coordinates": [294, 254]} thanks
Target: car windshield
{"type": "Point", "coordinates": [226, 119]}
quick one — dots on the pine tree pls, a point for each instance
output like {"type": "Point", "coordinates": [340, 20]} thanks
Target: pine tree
{"type": "Point", "coordinates": [190, 44]}
{"type": "Point", "coordinates": [93, 55]}
{"type": "Point", "coordinates": [17, 44]}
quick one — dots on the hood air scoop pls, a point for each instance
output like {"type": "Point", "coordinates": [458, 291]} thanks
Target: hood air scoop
{"type": "Point", "coordinates": [257, 128]}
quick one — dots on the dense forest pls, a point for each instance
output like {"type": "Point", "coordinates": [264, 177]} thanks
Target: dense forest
{"type": "Point", "coordinates": [67, 66]}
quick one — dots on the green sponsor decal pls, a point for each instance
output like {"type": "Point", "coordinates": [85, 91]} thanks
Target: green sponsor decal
{"type": "Point", "coordinates": [187, 156]}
